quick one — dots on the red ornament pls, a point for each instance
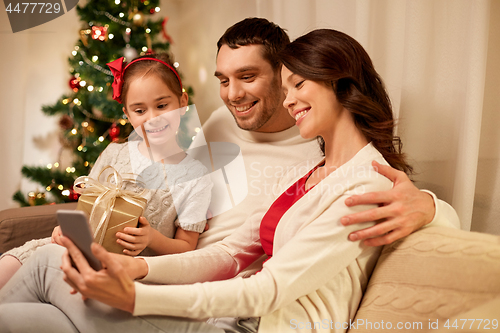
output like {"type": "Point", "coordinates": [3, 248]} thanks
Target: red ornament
{"type": "Point", "coordinates": [74, 83]}
{"type": "Point", "coordinates": [152, 10]}
{"type": "Point", "coordinates": [114, 131]}
{"type": "Point", "coordinates": [100, 33]}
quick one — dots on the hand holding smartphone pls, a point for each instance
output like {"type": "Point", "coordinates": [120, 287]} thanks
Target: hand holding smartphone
{"type": "Point", "coordinates": [74, 225]}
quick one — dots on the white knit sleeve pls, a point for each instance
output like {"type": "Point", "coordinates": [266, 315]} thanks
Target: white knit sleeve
{"type": "Point", "coordinates": [445, 215]}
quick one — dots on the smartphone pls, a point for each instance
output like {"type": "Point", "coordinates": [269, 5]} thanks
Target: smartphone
{"type": "Point", "coordinates": [74, 225]}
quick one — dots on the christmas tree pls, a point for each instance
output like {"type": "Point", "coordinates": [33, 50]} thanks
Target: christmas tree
{"type": "Point", "coordinates": [89, 118]}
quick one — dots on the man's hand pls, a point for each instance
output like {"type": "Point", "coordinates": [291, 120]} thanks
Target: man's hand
{"type": "Point", "coordinates": [401, 211]}
{"type": "Point", "coordinates": [111, 285]}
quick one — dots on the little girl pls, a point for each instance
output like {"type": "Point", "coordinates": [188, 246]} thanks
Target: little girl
{"type": "Point", "coordinates": [178, 188]}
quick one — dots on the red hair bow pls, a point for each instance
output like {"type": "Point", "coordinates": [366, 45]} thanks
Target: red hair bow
{"type": "Point", "coordinates": [117, 70]}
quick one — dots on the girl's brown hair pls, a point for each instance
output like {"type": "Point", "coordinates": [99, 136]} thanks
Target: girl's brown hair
{"type": "Point", "coordinates": [151, 67]}
{"type": "Point", "coordinates": [338, 60]}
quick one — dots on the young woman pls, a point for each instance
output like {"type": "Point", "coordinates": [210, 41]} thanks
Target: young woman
{"type": "Point", "coordinates": [313, 273]}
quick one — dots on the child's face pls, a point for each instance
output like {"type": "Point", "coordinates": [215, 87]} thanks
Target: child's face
{"type": "Point", "coordinates": [153, 108]}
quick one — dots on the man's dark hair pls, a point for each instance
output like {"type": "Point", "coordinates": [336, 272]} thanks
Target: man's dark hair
{"type": "Point", "coordinates": [257, 31]}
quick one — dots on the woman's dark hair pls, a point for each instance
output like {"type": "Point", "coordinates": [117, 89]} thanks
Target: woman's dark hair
{"type": "Point", "coordinates": [150, 67]}
{"type": "Point", "coordinates": [338, 60]}
{"type": "Point", "coordinates": [257, 31]}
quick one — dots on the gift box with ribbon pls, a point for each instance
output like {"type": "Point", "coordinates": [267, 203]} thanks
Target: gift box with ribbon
{"type": "Point", "coordinates": [109, 206]}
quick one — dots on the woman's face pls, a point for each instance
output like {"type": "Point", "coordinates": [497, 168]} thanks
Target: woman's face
{"type": "Point", "coordinates": [312, 104]}
{"type": "Point", "coordinates": [152, 108]}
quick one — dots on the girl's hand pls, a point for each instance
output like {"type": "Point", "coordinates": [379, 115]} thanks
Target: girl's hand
{"type": "Point", "coordinates": [56, 236]}
{"type": "Point", "coordinates": [134, 240]}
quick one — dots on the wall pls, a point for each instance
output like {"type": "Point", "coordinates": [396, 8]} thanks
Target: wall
{"type": "Point", "coordinates": [34, 72]}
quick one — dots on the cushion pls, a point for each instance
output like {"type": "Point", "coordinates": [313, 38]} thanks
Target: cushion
{"type": "Point", "coordinates": [483, 318]}
{"type": "Point", "coordinates": [19, 225]}
{"type": "Point", "coordinates": [433, 274]}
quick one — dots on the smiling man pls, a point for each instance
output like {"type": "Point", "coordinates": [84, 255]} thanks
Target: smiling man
{"type": "Point", "coordinates": [251, 89]}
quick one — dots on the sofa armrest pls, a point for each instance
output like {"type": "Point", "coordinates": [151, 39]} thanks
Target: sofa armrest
{"type": "Point", "coordinates": [19, 225]}
{"type": "Point", "coordinates": [433, 274]}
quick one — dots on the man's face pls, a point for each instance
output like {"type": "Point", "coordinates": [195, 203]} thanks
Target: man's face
{"type": "Point", "coordinates": [250, 88]}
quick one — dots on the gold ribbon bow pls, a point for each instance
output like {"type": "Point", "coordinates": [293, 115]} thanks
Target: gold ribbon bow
{"type": "Point", "coordinates": [106, 191]}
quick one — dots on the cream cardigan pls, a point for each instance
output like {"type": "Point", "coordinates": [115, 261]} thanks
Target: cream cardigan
{"type": "Point", "coordinates": [315, 274]}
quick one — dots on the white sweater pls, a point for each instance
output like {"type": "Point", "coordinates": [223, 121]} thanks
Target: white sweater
{"type": "Point", "coordinates": [185, 197]}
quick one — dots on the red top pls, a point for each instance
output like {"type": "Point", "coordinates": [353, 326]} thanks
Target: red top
{"type": "Point", "coordinates": [279, 207]}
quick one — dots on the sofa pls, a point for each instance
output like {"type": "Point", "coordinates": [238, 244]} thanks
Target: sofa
{"type": "Point", "coordinates": [436, 279]}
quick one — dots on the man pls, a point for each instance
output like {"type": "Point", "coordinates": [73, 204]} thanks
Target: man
{"type": "Point", "coordinates": [251, 89]}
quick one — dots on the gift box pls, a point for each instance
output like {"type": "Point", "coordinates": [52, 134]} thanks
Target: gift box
{"type": "Point", "coordinates": [110, 208]}
{"type": "Point", "coordinates": [122, 215]}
